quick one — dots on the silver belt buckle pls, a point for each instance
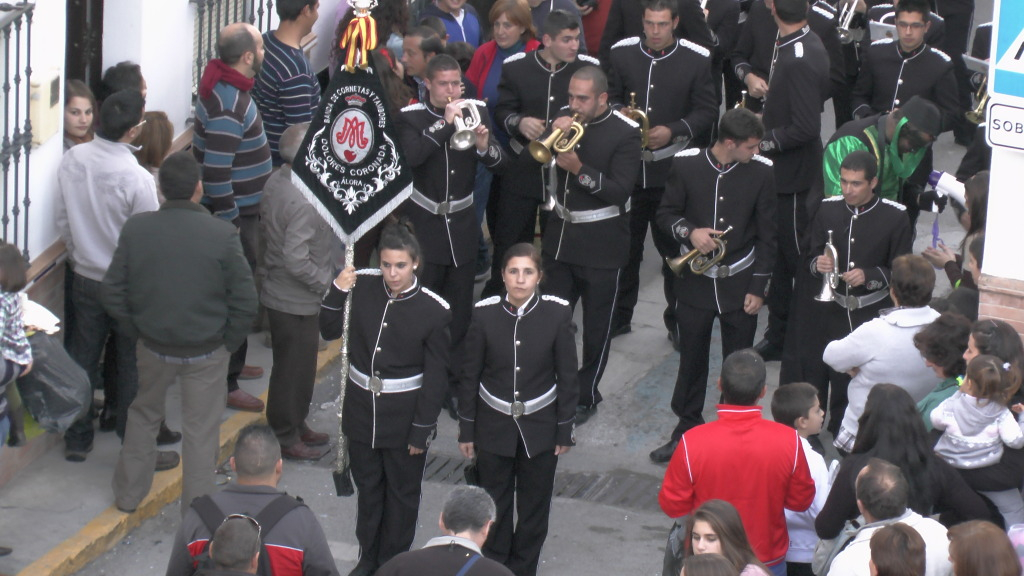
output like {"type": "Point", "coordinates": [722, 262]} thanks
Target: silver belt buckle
{"type": "Point", "coordinates": [852, 303]}
{"type": "Point", "coordinates": [723, 271]}
{"type": "Point", "coordinates": [444, 208]}
{"type": "Point", "coordinates": [647, 155]}
{"type": "Point", "coordinates": [518, 409]}
{"type": "Point", "coordinates": [376, 385]}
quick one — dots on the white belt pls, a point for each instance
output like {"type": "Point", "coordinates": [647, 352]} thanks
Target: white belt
{"type": "Point", "coordinates": [726, 270]}
{"type": "Point", "coordinates": [666, 152]}
{"type": "Point", "coordinates": [517, 408]}
{"type": "Point", "coordinates": [441, 208]}
{"type": "Point", "coordinates": [384, 385]}
{"type": "Point", "coordinates": [854, 302]}
{"type": "Point", "coordinates": [581, 216]}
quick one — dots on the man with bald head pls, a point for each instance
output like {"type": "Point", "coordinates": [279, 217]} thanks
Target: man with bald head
{"type": "Point", "coordinates": [230, 144]}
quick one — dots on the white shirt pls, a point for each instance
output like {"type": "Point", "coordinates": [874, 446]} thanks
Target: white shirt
{"type": "Point", "coordinates": [853, 560]}
{"type": "Point", "coordinates": [802, 537]}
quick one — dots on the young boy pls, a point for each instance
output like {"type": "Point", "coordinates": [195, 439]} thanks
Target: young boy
{"type": "Point", "coordinates": [797, 405]}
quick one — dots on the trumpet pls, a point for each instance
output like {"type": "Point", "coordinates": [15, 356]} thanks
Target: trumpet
{"type": "Point", "coordinates": [830, 280]}
{"type": "Point", "coordinates": [465, 125]}
{"type": "Point", "coordinates": [638, 116]}
{"type": "Point", "coordinates": [977, 115]}
{"type": "Point", "coordinates": [699, 263]}
{"type": "Point", "coordinates": [845, 18]}
{"type": "Point", "coordinates": [743, 101]}
{"type": "Point", "coordinates": [558, 141]}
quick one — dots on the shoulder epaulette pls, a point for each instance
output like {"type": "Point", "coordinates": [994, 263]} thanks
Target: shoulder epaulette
{"type": "Point", "coordinates": [477, 102]}
{"type": "Point", "coordinates": [626, 42]}
{"type": "Point", "coordinates": [695, 47]}
{"type": "Point", "coordinates": [555, 299]}
{"type": "Point", "coordinates": [938, 18]}
{"type": "Point", "coordinates": [417, 106]}
{"type": "Point", "coordinates": [894, 204]}
{"type": "Point", "coordinates": [833, 198]}
{"type": "Point", "coordinates": [514, 57]}
{"type": "Point", "coordinates": [626, 119]}
{"type": "Point", "coordinates": [590, 59]}
{"type": "Point", "coordinates": [882, 41]}
{"type": "Point", "coordinates": [763, 160]}
{"type": "Point", "coordinates": [881, 7]}
{"type": "Point", "coordinates": [687, 152]}
{"type": "Point", "coordinates": [985, 25]}
{"type": "Point", "coordinates": [369, 272]}
{"type": "Point", "coordinates": [488, 301]}
{"type": "Point", "coordinates": [437, 297]}
{"type": "Point", "coordinates": [824, 12]}
{"type": "Point", "coordinates": [942, 54]}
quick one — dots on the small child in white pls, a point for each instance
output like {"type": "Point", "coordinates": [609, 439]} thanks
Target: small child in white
{"type": "Point", "coordinates": [796, 405]}
{"type": "Point", "coordinates": [976, 424]}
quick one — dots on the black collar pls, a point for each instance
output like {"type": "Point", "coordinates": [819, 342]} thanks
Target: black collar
{"type": "Point", "coordinates": [525, 308]}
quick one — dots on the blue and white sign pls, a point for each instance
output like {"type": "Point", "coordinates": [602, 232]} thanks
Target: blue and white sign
{"type": "Point", "coordinates": [1008, 47]}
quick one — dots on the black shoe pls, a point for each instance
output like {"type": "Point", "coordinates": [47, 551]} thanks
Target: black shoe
{"type": "Point", "coordinates": [5, 551]}
{"type": "Point", "coordinates": [769, 351]}
{"type": "Point", "coordinates": [167, 460]}
{"type": "Point", "coordinates": [108, 419]}
{"type": "Point", "coordinates": [673, 337]}
{"type": "Point", "coordinates": [621, 329]}
{"type": "Point", "coordinates": [583, 413]}
{"type": "Point", "coordinates": [664, 453]}
{"type": "Point", "coordinates": [77, 453]}
{"type": "Point", "coordinates": [362, 569]}
{"type": "Point", "coordinates": [167, 436]}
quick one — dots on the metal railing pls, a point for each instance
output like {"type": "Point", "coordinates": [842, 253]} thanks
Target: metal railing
{"type": "Point", "coordinates": [212, 15]}
{"type": "Point", "coordinates": [16, 144]}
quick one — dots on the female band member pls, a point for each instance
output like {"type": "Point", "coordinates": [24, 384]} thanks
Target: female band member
{"type": "Point", "coordinates": [398, 346]}
{"type": "Point", "coordinates": [517, 405]}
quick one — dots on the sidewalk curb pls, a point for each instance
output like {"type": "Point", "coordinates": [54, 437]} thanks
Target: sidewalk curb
{"type": "Point", "coordinates": [112, 525]}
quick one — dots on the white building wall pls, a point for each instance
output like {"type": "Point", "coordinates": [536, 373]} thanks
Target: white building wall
{"type": "Point", "coordinates": [1005, 209]}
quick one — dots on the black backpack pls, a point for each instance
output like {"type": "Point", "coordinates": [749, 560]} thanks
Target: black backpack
{"type": "Point", "coordinates": [212, 517]}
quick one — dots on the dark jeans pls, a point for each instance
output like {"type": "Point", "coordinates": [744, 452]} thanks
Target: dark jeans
{"type": "Point", "coordinates": [293, 375]}
{"type": "Point", "coordinates": [85, 346]}
{"type": "Point", "coordinates": [249, 231]}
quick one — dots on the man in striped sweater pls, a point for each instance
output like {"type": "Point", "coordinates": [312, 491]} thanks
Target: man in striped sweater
{"type": "Point", "coordinates": [230, 144]}
{"type": "Point", "coordinates": [286, 90]}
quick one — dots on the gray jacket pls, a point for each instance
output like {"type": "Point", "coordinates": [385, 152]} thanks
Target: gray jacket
{"type": "Point", "coordinates": [298, 249]}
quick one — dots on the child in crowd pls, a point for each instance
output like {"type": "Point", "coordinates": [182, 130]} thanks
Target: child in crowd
{"type": "Point", "coordinates": [708, 565]}
{"type": "Point", "coordinates": [15, 352]}
{"type": "Point", "coordinates": [976, 424]}
{"type": "Point", "coordinates": [897, 550]}
{"type": "Point", "coordinates": [797, 405]}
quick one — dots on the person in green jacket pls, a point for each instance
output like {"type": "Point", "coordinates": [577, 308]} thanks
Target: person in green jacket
{"type": "Point", "coordinates": [942, 343]}
{"type": "Point", "coordinates": [899, 141]}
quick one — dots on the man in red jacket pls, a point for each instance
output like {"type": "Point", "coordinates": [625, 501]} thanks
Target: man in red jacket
{"type": "Point", "coordinates": [756, 465]}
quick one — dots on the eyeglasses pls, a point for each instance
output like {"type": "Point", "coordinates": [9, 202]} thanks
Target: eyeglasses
{"type": "Point", "coordinates": [255, 524]}
{"type": "Point", "coordinates": [910, 25]}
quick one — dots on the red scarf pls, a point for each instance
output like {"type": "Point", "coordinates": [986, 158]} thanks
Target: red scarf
{"type": "Point", "coordinates": [217, 71]}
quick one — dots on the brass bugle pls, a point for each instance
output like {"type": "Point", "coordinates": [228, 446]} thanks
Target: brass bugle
{"type": "Point", "coordinates": [639, 117]}
{"type": "Point", "coordinates": [743, 100]}
{"type": "Point", "coordinates": [845, 19]}
{"type": "Point", "coordinates": [557, 141]}
{"type": "Point", "coordinates": [697, 262]}
{"type": "Point", "coordinates": [977, 114]}
{"type": "Point", "coordinates": [466, 122]}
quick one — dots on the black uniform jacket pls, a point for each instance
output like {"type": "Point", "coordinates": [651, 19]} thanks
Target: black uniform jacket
{"type": "Point", "coordinates": [610, 153]}
{"type": "Point", "coordinates": [792, 111]}
{"type": "Point", "coordinates": [391, 338]}
{"type": "Point", "coordinates": [626, 18]}
{"type": "Point", "coordinates": [756, 44]}
{"type": "Point", "coordinates": [888, 78]}
{"type": "Point", "coordinates": [444, 174]}
{"type": "Point", "coordinates": [701, 193]}
{"type": "Point", "coordinates": [526, 351]}
{"type": "Point", "coordinates": [673, 87]}
{"type": "Point", "coordinates": [869, 238]}
{"type": "Point", "coordinates": [443, 556]}
{"type": "Point", "coordinates": [529, 87]}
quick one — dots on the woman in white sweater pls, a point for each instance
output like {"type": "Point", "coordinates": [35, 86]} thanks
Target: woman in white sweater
{"type": "Point", "coordinates": [882, 350]}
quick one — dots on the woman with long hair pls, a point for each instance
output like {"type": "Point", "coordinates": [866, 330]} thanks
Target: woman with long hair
{"type": "Point", "coordinates": [154, 142]}
{"type": "Point", "coordinates": [981, 549]}
{"type": "Point", "coordinates": [517, 405]}
{"type": "Point", "coordinates": [398, 346]}
{"type": "Point", "coordinates": [79, 111]}
{"type": "Point", "coordinates": [891, 429]}
{"type": "Point", "coordinates": [941, 344]}
{"type": "Point", "coordinates": [954, 262]}
{"type": "Point", "coordinates": [716, 528]}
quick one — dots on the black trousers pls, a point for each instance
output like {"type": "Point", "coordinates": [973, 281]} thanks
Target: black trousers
{"type": "Point", "coordinates": [528, 484]}
{"type": "Point", "coordinates": [695, 326]}
{"type": "Point", "coordinates": [645, 203]}
{"type": "Point", "coordinates": [954, 43]}
{"type": "Point", "coordinates": [389, 483]}
{"type": "Point", "coordinates": [249, 232]}
{"type": "Point", "coordinates": [791, 220]}
{"type": "Point", "coordinates": [597, 287]}
{"type": "Point", "coordinates": [293, 375]}
{"type": "Point", "coordinates": [454, 284]}
{"type": "Point", "coordinates": [515, 215]}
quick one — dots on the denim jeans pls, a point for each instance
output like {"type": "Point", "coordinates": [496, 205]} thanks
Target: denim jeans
{"type": "Point", "coordinates": [85, 346]}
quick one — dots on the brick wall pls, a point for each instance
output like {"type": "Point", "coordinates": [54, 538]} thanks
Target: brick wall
{"type": "Point", "coordinates": [1002, 299]}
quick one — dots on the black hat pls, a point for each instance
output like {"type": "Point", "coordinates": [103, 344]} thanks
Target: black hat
{"type": "Point", "coordinates": [923, 115]}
